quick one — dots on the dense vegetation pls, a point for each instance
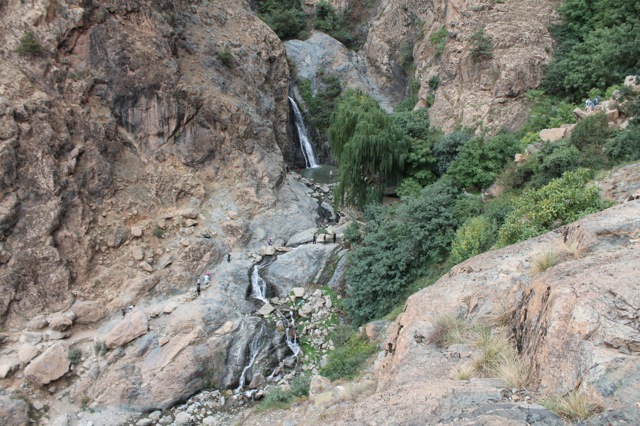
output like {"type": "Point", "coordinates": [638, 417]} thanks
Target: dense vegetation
{"type": "Point", "coordinates": [285, 17]}
{"type": "Point", "coordinates": [598, 44]}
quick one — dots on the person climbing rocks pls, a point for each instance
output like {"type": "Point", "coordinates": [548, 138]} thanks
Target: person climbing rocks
{"type": "Point", "coordinates": [131, 308]}
{"type": "Point", "coordinates": [124, 311]}
{"type": "Point", "coordinates": [335, 238]}
{"type": "Point", "coordinates": [324, 239]}
{"type": "Point", "coordinates": [228, 257]}
{"type": "Point", "coordinates": [595, 102]}
{"type": "Point", "coordinates": [270, 242]}
{"type": "Point", "coordinates": [315, 237]}
{"type": "Point", "coordinates": [206, 278]}
{"type": "Point", "coordinates": [198, 287]}
{"type": "Point", "coordinates": [588, 104]}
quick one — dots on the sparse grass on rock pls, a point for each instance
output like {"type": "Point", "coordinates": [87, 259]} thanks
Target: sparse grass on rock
{"type": "Point", "coordinates": [573, 406]}
{"type": "Point", "coordinates": [544, 260]}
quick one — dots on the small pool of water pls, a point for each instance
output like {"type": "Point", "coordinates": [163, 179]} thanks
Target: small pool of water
{"type": "Point", "coordinates": [324, 173]}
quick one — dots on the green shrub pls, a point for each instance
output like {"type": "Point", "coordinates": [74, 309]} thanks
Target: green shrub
{"type": "Point", "coordinates": [554, 159]}
{"type": "Point", "coordinates": [434, 82]}
{"type": "Point", "coordinates": [439, 39]}
{"type": "Point", "coordinates": [100, 348]}
{"type": "Point", "coordinates": [625, 145]}
{"type": "Point", "coordinates": [345, 362]}
{"type": "Point", "coordinates": [476, 236]}
{"type": "Point", "coordinates": [285, 17]}
{"type": "Point", "coordinates": [226, 57]}
{"type": "Point", "coordinates": [29, 46]}
{"type": "Point", "coordinates": [447, 147]}
{"type": "Point", "coordinates": [591, 131]}
{"type": "Point", "coordinates": [352, 233]}
{"type": "Point", "coordinates": [481, 47]}
{"type": "Point", "coordinates": [74, 355]}
{"type": "Point", "coordinates": [277, 398]}
{"type": "Point", "coordinates": [562, 201]}
{"type": "Point", "coordinates": [400, 243]}
{"type": "Point", "coordinates": [406, 56]}
{"type": "Point", "coordinates": [321, 104]}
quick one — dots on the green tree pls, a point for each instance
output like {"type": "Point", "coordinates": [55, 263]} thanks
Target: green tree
{"type": "Point", "coordinates": [421, 165]}
{"type": "Point", "coordinates": [481, 47]}
{"type": "Point", "coordinates": [447, 147]}
{"type": "Point", "coordinates": [369, 148]}
{"type": "Point", "coordinates": [285, 17]}
{"type": "Point", "coordinates": [476, 236]}
{"type": "Point", "coordinates": [400, 244]}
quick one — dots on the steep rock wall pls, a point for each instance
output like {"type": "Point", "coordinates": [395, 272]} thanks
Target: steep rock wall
{"type": "Point", "coordinates": [129, 115]}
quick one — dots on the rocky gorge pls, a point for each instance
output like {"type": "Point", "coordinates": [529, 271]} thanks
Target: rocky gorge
{"type": "Point", "coordinates": [146, 144]}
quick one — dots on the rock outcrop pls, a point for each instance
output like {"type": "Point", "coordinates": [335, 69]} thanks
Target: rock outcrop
{"type": "Point", "coordinates": [49, 366]}
{"type": "Point", "coordinates": [133, 325]}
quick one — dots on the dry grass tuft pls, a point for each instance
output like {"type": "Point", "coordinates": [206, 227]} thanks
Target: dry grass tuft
{"type": "Point", "coordinates": [495, 348]}
{"type": "Point", "coordinates": [577, 244]}
{"type": "Point", "coordinates": [513, 371]}
{"type": "Point", "coordinates": [573, 406]}
{"type": "Point", "coordinates": [448, 330]}
{"type": "Point", "coordinates": [544, 260]}
{"type": "Point", "coordinates": [464, 372]}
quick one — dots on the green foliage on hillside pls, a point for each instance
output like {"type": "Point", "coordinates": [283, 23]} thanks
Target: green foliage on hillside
{"type": "Point", "coordinates": [481, 47]}
{"type": "Point", "coordinates": [598, 44]}
{"type": "Point", "coordinates": [439, 39]}
{"type": "Point", "coordinates": [476, 236]}
{"type": "Point", "coordinates": [352, 350]}
{"type": "Point", "coordinates": [369, 148]}
{"type": "Point", "coordinates": [321, 104]}
{"type": "Point", "coordinates": [562, 201]}
{"type": "Point", "coordinates": [447, 147]}
{"type": "Point", "coordinates": [400, 244]}
{"type": "Point", "coordinates": [334, 24]}
{"type": "Point", "coordinates": [285, 17]}
{"type": "Point", "coordinates": [29, 46]}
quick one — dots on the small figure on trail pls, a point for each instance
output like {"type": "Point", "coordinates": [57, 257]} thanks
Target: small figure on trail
{"type": "Point", "coordinates": [324, 239]}
{"type": "Point", "coordinates": [198, 287]}
{"type": "Point", "coordinates": [131, 307]}
{"type": "Point", "coordinates": [588, 104]}
{"type": "Point", "coordinates": [124, 311]}
{"type": "Point", "coordinates": [206, 277]}
{"type": "Point", "coordinates": [229, 257]}
{"type": "Point", "coordinates": [288, 169]}
{"type": "Point", "coordinates": [595, 102]}
{"type": "Point", "coordinates": [335, 237]}
{"type": "Point", "coordinates": [270, 241]}
{"type": "Point", "coordinates": [315, 237]}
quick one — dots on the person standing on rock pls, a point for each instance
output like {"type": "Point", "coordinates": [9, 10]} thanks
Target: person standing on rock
{"type": "Point", "coordinates": [198, 287]}
{"type": "Point", "coordinates": [124, 311]}
{"type": "Point", "coordinates": [324, 239]}
{"type": "Point", "coordinates": [270, 242]}
{"type": "Point", "coordinates": [315, 237]}
{"type": "Point", "coordinates": [228, 257]}
{"type": "Point", "coordinates": [335, 238]}
{"type": "Point", "coordinates": [206, 278]}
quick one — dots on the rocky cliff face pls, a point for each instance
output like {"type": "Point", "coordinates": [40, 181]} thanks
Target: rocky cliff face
{"type": "Point", "coordinates": [135, 110]}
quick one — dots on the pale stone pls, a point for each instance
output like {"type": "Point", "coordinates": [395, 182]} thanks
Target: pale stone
{"type": "Point", "coordinates": [27, 352]}
{"type": "Point", "coordinates": [163, 341]}
{"type": "Point", "coordinates": [49, 366]}
{"type": "Point", "coordinates": [190, 222]}
{"type": "Point", "coordinates": [146, 267]}
{"type": "Point", "coordinates": [144, 422]}
{"type": "Point", "coordinates": [31, 338]}
{"type": "Point", "coordinates": [60, 323]}
{"type": "Point", "coordinates": [612, 115]}
{"type": "Point", "coordinates": [169, 307]}
{"type": "Point", "coordinates": [298, 291]}
{"type": "Point", "coordinates": [269, 251]}
{"type": "Point", "coordinates": [89, 312]}
{"type": "Point", "coordinates": [38, 405]}
{"type": "Point", "coordinates": [226, 328]}
{"type": "Point", "coordinates": [155, 416]}
{"type": "Point", "coordinates": [189, 213]}
{"type": "Point", "coordinates": [552, 135]}
{"type": "Point", "coordinates": [185, 243]}
{"type": "Point", "coordinates": [266, 309]}
{"type": "Point", "coordinates": [209, 421]}
{"type": "Point", "coordinates": [7, 366]}
{"type": "Point", "coordinates": [183, 418]}
{"type": "Point", "coordinates": [137, 253]}
{"type": "Point", "coordinates": [136, 231]}
{"type": "Point", "coordinates": [55, 335]}
{"type": "Point", "coordinates": [135, 324]}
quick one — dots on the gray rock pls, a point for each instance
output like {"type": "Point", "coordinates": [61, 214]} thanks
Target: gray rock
{"type": "Point", "coordinates": [14, 411]}
{"type": "Point", "coordinates": [183, 418]}
{"type": "Point", "coordinates": [300, 265]}
{"type": "Point", "coordinates": [266, 309]}
{"type": "Point", "coordinates": [144, 422]}
{"type": "Point", "coordinates": [49, 366]}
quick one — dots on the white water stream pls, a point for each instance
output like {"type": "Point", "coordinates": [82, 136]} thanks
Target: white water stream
{"type": "Point", "coordinates": [307, 149]}
{"type": "Point", "coordinates": [254, 349]}
{"type": "Point", "coordinates": [258, 285]}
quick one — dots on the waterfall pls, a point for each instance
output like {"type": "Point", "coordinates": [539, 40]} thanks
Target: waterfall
{"type": "Point", "coordinates": [258, 285]}
{"type": "Point", "coordinates": [290, 324]}
{"type": "Point", "coordinates": [253, 353]}
{"type": "Point", "coordinates": [307, 149]}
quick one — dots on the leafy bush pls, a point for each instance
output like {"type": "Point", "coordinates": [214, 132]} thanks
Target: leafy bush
{"type": "Point", "coordinates": [277, 398]}
{"type": "Point", "coordinates": [226, 57]}
{"type": "Point", "coordinates": [29, 46]}
{"type": "Point", "coordinates": [476, 236]}
{"type": "Point", "coordinates": [74, 355]}
{"type": "Point", "coordinates": [346, 360]}
{"type": "Point", "coordinates": [321, 104]}
{"type": "Point", "coordinates": [593, 130]}
{"type": "Point", "coordinates": [625, 145]}
{"type": "Point", "coordinates": [554, 159]}
{"type": "Point", "coordinates": [400, 243]}
{"type": "Point", "coordinates": [285, 17]}
{"type": "Point", "coordinates": [447, 147]}
{"type": "Point", "coordinates": [561, 201]}
{"type": "Point", "coordinates": [439, 39]}
{"type": "Point", "coordinates": [481, 160]}
{"type": "Point", "coordinates": [420, 164]}
{"type": "Point", "coordinates": [481, 47]}
{"type": "Point", "coordinates": [352, 233]}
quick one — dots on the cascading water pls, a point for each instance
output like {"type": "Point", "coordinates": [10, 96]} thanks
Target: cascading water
{"type": "Point", "coordinates": [307, 149]}
{"type": "Point", "coordinates": [254, 349]}
{"type": "Point", "coordinates": [290, 328]}
{"type": "Point", "coordinates": [258, 285]}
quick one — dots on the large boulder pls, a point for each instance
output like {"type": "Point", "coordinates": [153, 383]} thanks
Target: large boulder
{"type": "Point", "coordinates": [552, 135]}
{"type": "Point", "coordinates": [134, 325]}
{"type": "Point", "coordinates": [89, 312]}
{"type": "Point", "coordinates": [14, 411]}
{"type": "Point", "coordinates": [49, 366]}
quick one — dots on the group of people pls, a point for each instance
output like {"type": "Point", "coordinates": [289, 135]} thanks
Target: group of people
{"type": "Point", "coordinates": [125, 310]}
{"type": "Point", "coordinates": [324, 238]}
{"type": "Point", "coordinates": [591, 104]}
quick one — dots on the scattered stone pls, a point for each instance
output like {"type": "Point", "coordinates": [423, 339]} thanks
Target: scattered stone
{"type": "Point", "coordinates": [155, 416]}
{"type": "Point", "coordinates": [14, 411]}
{"type": "Point", "coordinates": [60, 323]}
{"type": "Point", "coordinates": [136, 231]}
{"type": "Point", "coordinates": [298, 292]}
{"type": "Point", "coordinates": [266, 309]}
{"type": "Point", "coordinates": [137, 253]}
{"type": "Point", "coordinates": [169, 308]}
{"type": "Point", "coordinates": [146, 267]}
{"type": "Point", "coordinates": [49, 366]}
{"type": "Point", "coordinates": [552, 135]}
{"type": "Point", "coordinates": [7, 366]}
{"type": "Point", "coordinates": [38, 405]}
{"type": "Point", "coordinates": [144, 422]}
{"type": "Point", "coordinates": [163, 341]}
{"type": "Point", "coordinates": [190, 222]}
{"type": "Point", "coordinates": [183, 418]}
{"type": "Point", "coordinates": [27, 352]}
{"type": "Point", "coordinates": [189, 213]}
{"type": "Point", "coordinates": [89, 312]}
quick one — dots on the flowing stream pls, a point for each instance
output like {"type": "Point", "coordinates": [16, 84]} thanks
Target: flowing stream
{"type": "Point", "coordinates": [307, 149]}
{"type": "Point", "coordinates": [258, 285]}
{"type": "Point", "coordinates": [254, 349]}
{"type": "Point", "coordinates": [290, 333]}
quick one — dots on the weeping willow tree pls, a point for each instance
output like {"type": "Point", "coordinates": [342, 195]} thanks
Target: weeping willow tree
{"type": "Point", "coordinates": [369, 148]}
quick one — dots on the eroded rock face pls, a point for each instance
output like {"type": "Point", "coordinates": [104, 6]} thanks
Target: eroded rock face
{"type": "Point", "coordinates": [49, 366]}
{"type": "Point", "coordinates": [13, 410]}
{"type": "Point", "coordinates": [133, 325]}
